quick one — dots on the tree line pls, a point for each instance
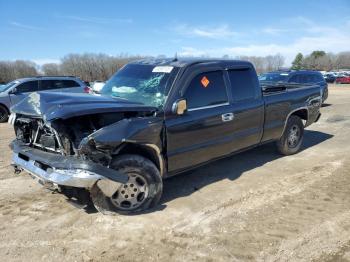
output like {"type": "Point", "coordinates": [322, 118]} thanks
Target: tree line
{"type": "Point", "coordinates": [322, 61]}
{"type": "Point", "coordinates": [90, 67]}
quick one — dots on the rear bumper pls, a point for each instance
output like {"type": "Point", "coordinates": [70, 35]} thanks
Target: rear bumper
{"type": "Point", "coordinates": [61, 170]}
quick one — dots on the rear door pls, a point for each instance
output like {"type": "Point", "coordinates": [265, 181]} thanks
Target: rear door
{"type": "Point", "coordinates": [23, 90]}
{"type": "Point", "coordinates": [247, 107]}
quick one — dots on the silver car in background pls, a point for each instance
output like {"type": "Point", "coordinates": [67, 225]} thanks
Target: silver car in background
{"type": "Point", "coordinates": [16, 90]}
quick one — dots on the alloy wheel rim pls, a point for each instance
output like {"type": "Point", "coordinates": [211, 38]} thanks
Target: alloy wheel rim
{"type": "Point", "coordinates": [293, 136]}
{"type": "Point", "coordinates": [131, 195]}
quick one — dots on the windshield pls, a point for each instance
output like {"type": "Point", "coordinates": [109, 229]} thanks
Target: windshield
{"type": "Point", "coordinates": [3, 88]}
{"type": "Point", "coordinates": [274, 77]}
{"type": "Point", "coordinates": [147, 84]}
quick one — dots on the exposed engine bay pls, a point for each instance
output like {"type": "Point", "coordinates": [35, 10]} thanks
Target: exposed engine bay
{"type": "Point", "coordinates": [64, 136]}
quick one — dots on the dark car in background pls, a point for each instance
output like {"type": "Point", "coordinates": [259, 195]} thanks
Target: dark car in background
{"type": "Point", "coordinates": [298, 77]}
{"type": "Point", "coordinates": [330, 78]}
{"type": "Point", "coordinates": [16, 90]}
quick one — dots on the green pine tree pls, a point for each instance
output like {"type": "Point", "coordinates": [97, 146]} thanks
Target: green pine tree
{"type": "Point", "coordinates": [297, 64]}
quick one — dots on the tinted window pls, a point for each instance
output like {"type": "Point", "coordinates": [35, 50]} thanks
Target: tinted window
{"type": "Point", "coordinates": [206, 89]}
{"type": "Point", "coordinates": [30, 86]}
{"type": "Point", "coordinates": [295, 79]}
{"type": "Point", "coordinates": [57, 84]}
{"type": "Point", "coordinates": [242, 84]}
{"type": "Point", "coordinates": [274, 77]}
{"type": "Point", "coordinates": [69, 83]}
{"type": "Point", "coordinates": [310, 78]}
{"type": "Point", "coordinates": [319, 78]}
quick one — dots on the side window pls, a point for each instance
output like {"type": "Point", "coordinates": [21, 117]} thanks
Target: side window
{"type": "Point", "coordinates": [310, 78]}
{"type": "Point", "coordinates": [304, 78]}
{"type": "Point", "coordinates": [57, 84]}
{"type": "Point", "coordinates": [294, 79]}
{"type": "Point", "coordinates": [206, 89]}
{"type": "Point", "coordinates": [49, 84]}
{"type": "Point", "coordinates": [30, 86]}
{"type": "Point", "coordinates": [69, 83]}
{"type": "Point", "coordinates": [319, 78]}
{"type": "Point", "coordinates": [242, 84]}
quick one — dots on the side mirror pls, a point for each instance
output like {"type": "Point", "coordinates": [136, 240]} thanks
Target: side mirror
{"type": "Point", "coordinates": [180, 107]}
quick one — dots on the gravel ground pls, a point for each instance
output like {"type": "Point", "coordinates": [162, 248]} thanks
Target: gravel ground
{"type": "Point", "coordinates": [254, 206]}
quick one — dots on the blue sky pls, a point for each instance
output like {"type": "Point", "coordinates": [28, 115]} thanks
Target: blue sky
{"type": "Point", "coordinates": [45, 31]}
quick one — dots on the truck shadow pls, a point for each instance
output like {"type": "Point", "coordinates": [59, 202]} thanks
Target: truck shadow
{"type": "Point", "coordinates": [229, 168]}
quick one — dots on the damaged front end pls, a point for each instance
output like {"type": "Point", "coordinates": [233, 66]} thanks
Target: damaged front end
{"type": "Point", "coordinates": [70, 141]}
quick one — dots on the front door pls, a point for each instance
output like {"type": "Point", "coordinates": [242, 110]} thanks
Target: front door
{"type": "Point", "coordinates": [202, 132]}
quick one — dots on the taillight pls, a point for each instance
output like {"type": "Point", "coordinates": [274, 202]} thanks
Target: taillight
{"type": "Point", "coordinates": [87, 90]}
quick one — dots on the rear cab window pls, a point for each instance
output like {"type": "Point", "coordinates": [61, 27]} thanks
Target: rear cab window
{"type": "Point", "coordinates": [206, 90]}
{"type": "Point", "coordinates": [242, 84]}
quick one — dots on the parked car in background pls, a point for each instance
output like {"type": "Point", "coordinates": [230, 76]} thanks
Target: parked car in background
{"type": "Point", "coordinates": [330, 78]}
{"type": "Point", "coordinates": [17, 90]}
{"type": "Point", "coordinates": [342, 80]}
{"type": "Point", "coordinates": [97, 86]}
{"type": "Point", "coordinates": [298, 77]}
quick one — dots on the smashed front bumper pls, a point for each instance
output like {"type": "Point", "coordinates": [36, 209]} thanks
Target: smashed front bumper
{"type": "Point", "coordinates": [61, 170]}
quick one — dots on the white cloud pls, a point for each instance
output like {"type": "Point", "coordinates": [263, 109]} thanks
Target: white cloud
{"type": "Point", "coordinates": [273, 31]}
{"type": "Point", "coordinates": [25, 26]}
{"type": "Point", "coordinates": [41, 61]}
{"type": "Point", "coordinates": [97, 20]}
{"type": "Point", "coordinates": [218, 32]}
{"type": "Point", "coordinates": [312, 37]}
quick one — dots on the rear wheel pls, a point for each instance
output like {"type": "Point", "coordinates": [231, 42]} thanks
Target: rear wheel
{"type": "Point", "coordinates": [142, 191]}
{"type": "Point", "coordinates": [292, 138]}
{"type": "Point", "coordinates": [325, 95]}
{"type": "Point", "coordinates": [3, 114]}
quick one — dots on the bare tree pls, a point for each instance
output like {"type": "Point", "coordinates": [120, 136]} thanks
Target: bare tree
{"type": "Point", "coordinates": [51, 69]}
{"type": "Point", "coordinates": [11, 70]}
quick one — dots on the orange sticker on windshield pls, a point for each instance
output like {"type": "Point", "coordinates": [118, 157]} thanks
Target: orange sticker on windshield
{"type": "Point", "coordinates": [205, 81]}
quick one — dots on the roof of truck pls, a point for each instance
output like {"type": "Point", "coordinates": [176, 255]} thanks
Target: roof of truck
{"type": "Point", "coordinates": [182, 62]}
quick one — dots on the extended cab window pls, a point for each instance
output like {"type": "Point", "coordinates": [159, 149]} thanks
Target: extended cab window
{"type": "Point", "coordinates": [30, 86]}
{"type": "Point", "coordinates": [206, 89]}
{"type": "Point", "coordinates": [242, 84]}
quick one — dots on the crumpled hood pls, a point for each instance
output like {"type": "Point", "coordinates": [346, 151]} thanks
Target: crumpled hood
{"type": "Point", "coordinates": [50, 105]}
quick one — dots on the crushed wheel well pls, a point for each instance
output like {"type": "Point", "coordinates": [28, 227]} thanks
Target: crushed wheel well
{"type": "Point", "coordinates": [302, 113]}
{"type": "Point", "coordinates": [144, 151]}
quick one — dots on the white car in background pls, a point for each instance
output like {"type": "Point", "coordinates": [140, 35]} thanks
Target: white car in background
{"type": "Point", "coordinates": [97, 86]}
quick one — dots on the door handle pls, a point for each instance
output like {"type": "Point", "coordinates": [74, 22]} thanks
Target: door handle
{"type": "Point", "coordinates": [227, 117]}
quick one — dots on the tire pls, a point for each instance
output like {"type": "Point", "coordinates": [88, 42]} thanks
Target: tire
{"type": "Point", "coordinates": [144, 178]}
{"type": "Point", "coordinates": [325, 95]}
{"type": "Point", "coordinates": [292, 138]}
{"type": "Point", "coordinates": [4, 114]}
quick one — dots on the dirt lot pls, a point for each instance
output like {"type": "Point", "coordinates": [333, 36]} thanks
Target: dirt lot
{"type": "Point", "coordinates": [253, 206]}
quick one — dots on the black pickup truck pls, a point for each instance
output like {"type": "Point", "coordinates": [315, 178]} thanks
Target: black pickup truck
{"type": "Point", "coordinates": [154, 119]}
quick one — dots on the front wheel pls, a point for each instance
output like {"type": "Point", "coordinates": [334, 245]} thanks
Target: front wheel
{"type": "Point", "coordinates": [292, 138]}
{"type": "Point", "coordinates": [3, 114]}
{"type": "Point", "coordinates": [142, 191]}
